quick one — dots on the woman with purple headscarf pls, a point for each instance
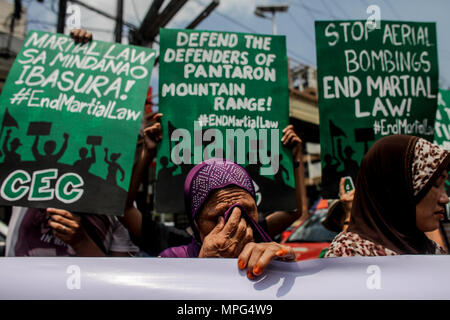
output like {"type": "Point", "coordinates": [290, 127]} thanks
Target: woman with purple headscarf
{"type": "Point", "coordinates": [221, 202]}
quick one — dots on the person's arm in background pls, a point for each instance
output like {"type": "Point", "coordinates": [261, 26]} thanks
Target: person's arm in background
{"type": "Point", "coordinates": [278, 221]}
{"type": "Point", "coordinates": [68, 228]}
{"type": "Point", "coordinates": [346, 199]}
{"type": "Point", "coordinates": [132, 219]}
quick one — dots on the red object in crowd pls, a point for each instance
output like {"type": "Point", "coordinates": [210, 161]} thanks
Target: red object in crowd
{"type": "Point", "coordinates": [309, 238]}
{"type": "Point", "coordinates": [322, 204]}
{"type": "Point", "coordinates": [319, 205]}
{"type": "Point", "coordinates": [307, 250]}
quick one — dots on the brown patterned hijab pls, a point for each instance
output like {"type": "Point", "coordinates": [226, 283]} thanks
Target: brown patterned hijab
{"type": "Point", "coordinates": [395, 174]}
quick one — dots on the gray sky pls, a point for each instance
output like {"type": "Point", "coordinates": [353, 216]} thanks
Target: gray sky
{"type": "Point", "coordinates": [238, 15]}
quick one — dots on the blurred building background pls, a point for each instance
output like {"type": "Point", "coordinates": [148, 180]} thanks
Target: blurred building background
{"type": "Point", "coordinates": [13, 28]}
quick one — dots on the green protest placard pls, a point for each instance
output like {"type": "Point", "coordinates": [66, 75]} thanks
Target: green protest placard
{"type": "Point", "coordinates": [442, 124]}
{"type": "Point", "coordinates": [374, 81]}
{"type": "Point", "coordinates": [70, 119]}
{"type": "Point", "coordinates": [224, 95]}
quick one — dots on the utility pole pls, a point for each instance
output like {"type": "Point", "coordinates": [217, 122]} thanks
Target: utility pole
{"type": "Point", "coordinates": [149, 28]}
{"type": "Point", "coordinates": [61, 16]}
{"type": "Point", "coordinates": [119, 21]}
{"type": "Point", "coordinates": [259, 11]}
{"type": "Point", "coordinates": [137, 36]}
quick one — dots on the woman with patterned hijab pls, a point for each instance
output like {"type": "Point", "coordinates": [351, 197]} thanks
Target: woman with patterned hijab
{"type": "Point", "coordinates": [400, 195]}
{"type": "Point", "coordinates": [221, 203]}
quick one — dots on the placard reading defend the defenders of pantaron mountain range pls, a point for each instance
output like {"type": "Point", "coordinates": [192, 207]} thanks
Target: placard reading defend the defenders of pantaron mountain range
{"type": "Point", "coordinates": [224, 95]}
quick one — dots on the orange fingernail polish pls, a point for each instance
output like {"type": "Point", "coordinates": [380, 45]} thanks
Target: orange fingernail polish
{"type": "Point", "coordinates": [241, 264]}
{"type": "Point", "coordinates": [257, 270]}
{"type": "Point", "coordinates": [281, 252]}
{"type": "Point", "coordinates": [250, 275]}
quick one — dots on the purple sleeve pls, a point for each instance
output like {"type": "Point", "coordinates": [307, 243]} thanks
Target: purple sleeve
{"type": "Point", "coordinates": [188, 251]}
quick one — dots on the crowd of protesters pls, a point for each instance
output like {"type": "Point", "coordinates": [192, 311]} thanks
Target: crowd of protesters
{"type": "Point", "coordinates": [396, 208]}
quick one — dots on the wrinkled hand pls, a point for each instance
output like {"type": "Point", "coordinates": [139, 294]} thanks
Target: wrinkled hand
{"type": "Point", "coordinates": [81, 35]}
{"type": "Point", "coordinates": [291, 140]}
{"type": "Point", "coordinates": [346, 197]}
{"type": "Point", "coordinates": [66, 226]}
{"type": "Point", "coordinates": [227, 240]}
{"type": "Point", "coordinates": [256, 257]}
{"type": "Point", "coordinates": [152, 132]}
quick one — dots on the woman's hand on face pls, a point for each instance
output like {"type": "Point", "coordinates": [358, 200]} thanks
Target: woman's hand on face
{"type": "Point", "coordinates": [256, 257]}
{"type": "Point", "coordinates": [227, 239]}
{"type": "Point", "coordinates": [66, 226]}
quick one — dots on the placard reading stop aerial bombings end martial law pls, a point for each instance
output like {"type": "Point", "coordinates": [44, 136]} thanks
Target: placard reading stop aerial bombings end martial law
{"type": "Point", "coordinates": [373, 81]}
{"type": "Point", "coordinates": [70, 115]}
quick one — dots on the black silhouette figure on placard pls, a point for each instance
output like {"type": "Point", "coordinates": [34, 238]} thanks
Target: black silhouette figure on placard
{"type": "Point", "coordinates": [39, 129]}
{"type": "Point", "coordinates": [351, 167]}
{"type": "Point", "coordinates": [279, 174]}
{"type": "Point", "coordinates": [8, 121]}
{"type": "Point", "coordinates": [335, 131]}
{"type": "Point", "coordinates": [364, 135]}
{"type": "Point", "coordinates": [218, 152]}
{"type": "Point", "coordinates": [205, 143]}
{"type": "Point", "coordinates": [253, 168]}
{"type": "Point", "coordinates": [171, 129]}
{"type": "Point", "coordinates": [113, 167]}
{"type": "Point", "coordinates": [85, 162]}
{"type": "Point", "coordinates": [165, 172]}
{"type": "Point", "coordinates": [185, 168]}
{"type": "Point", "coordinates": [11, 156]}
{"type": "Point", "coordinates": [330, 178]}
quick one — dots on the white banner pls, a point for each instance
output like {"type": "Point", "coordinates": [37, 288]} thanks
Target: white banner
{"type": "Point", "coordinates": [398, 277]}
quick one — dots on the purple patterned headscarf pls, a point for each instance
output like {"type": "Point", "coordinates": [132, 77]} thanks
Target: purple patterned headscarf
{"type": "Point", "coordinates": [200, 183]}
{"type": "Point", "coordinates": [212, 175]}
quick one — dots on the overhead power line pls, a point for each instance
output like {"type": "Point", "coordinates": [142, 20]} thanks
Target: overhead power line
{"type": "Point", "coordinates": [297, 57]}
{"type": "Point", "coordinates": [236, 22]}
{"type": "Point", "coordinates": [301, 28]}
